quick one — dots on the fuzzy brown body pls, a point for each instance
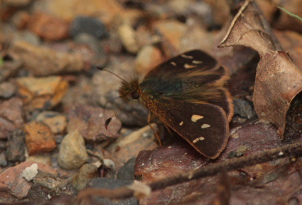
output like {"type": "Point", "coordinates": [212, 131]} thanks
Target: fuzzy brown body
{"type": "Point", "coordinates": [187, 93]}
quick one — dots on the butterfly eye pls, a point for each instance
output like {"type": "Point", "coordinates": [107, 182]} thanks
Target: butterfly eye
{"type": "Point", "coordinates": [135, 95]}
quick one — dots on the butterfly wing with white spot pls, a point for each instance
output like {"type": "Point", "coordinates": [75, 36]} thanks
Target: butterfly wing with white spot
{"type": "Point", "coordinates": [205, 126]}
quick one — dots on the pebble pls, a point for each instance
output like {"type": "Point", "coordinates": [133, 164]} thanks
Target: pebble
{"type": "Point", "coordinates": [16, 146]}
{"type": "Point", "coordinates": [43, 61]}
{"type": "Point", "coordinates": [69, 10]}
{"type": "Point", "coordinates": [128, 38]}
{"type": "Point", "coordinates": [12, 183]}
{"type": "Point", "coordinates": [3, 160]}
{"type": "Point", "coordinates": [28, 37]}
{"type": "Point", "coordinates": [39, 138]}
{"type": "Point", "coordinates": [43, 92]}
{"type": "Point", "coordinates": [99, 55]}
{"type": "Point", "coordinates": [129, 146]}
{"type": "Point", "coordinates": [243, 108]}
{"type": "Point", "coordinates": [55, 121]}
{"type": "Point", "coordinates": [20, 19]}
{"type": "Point", "coordinates": [9, 68]}
{"type": "Point", "coordinates": [30, 172]}
{"type": "Point", "coordinates": [42, 158]}
{"type": "Point", "coordinates": [90, 25]}
{"type": "Point", "coordinates": [48, 27]}
{"type": "Point", "coordinates": [90, 123]}
{"type": "Point", "coordinates": [16, 3]}
{"type": "Point", "coordinates": [7, 89]}
{"type": "Point", "coordinates": [172, 32]}
{"type": "Point", "coordinates": [72, 152]}
{"type": "Point", "coordinates": [11, 116]}
{"type": "Point", "coordinates": [85, 174]}
{"type": "Point", "coordinates": [147, 58]}
{"type": "Point", "coordinates": [127, 171]}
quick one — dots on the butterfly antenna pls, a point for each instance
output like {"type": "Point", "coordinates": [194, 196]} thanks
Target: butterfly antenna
{"type": "Point", "coordinates": [107, 122]}
{"type": "Point", "coordinates": [103, 69]}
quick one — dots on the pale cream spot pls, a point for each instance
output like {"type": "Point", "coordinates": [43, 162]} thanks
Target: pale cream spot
{"type": "Point", "coordinates": [205, 126]}
{"type": "Point", "coordinates": [173, 63]}
{"type": "Point", "coordinates": [197, 62]}
{"type": "Point", "coordinates": [187, 66]}
{"type": "Point", "coordinates": [198, 139]}
{"type": "Point", "coordinates": [194, 118]}
{"type": "Point", "coordinates": [181, 123]}
{"type": "Point", "coordinates": [185, 56]}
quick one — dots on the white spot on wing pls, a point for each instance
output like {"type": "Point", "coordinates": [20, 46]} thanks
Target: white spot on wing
{"type": "Point", "coordinates": [198, 139]}
{"type": "Point", "coordinates": [188, 66]}
{"type": "Point", "coordinates": [194, 118]}
{"type": "Point", "coordinates": [185, 56]}
{"type": "Point", "coordinates": [197, 62]}
{"type": "Point", "coordinates": [173, 63]}
{"type": "Point", "coordinates": [205, 126]}
{"type": "Point", "coordinates": [181, 123]}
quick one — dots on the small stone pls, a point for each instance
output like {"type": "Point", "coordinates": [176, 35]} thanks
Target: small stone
{"type": "Point", "coordinates": [39, 138]}
{"type": "Point", "coordinates": [3, 161]}
{"type": "Point", "coordinates": [55, 121]}
{"type": "Point", "coordinates": [27, 36]}
{"type": "Point", "coordinates": [69, 10]}
{"type": "Point", "coordinates": [30, 172]}
{"type": "Point", "coordinates": [43, 61]}
{"type": "Point", "coordinates": [85, 174]}
{"type": "Point", "coordinates": [48, 27]}
{"type": "Point", "coordinates": [172, 32]}
{"type": "Point", "coordinates": [243, 108]}
{"type": "Point", "coordinates": [72, 152]}
{"type": "Point", "coordinates": [41, 93]}
{"type": "Point", "coordinates": [11, 116]}
{"type": "Point", "coordinates": [98, 57]}
{"type": "Point", "coordinates": [16, 3]}
{"type": "Point", "coordinates": [90, 25]}
{"type": "Point", "coordinates": [127, 171]}
{"type": "Point", "coordinates": [128, 38]}
{"type": "Point", "coordinates": [90, 123]}
{"type": "Point", "coordinates": [147, 58]}
{"type": "Point", "coordinates": [13, 184]}
{"type": "Point", "coordinates": [16, 146]}
{"type": "Point", "coordinates": [9, 67]}
{"type": "Point", "coordinates": [20, 19]}
{"type": "Point", "coordinates": [7, 89]}
{"type": "Point", "coordinates": [129, 146]}
{"type": "Point", "coordinates": [43, 159]}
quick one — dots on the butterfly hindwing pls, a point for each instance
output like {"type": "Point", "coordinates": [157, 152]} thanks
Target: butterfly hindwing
{"type": "Point", "coordinates": [204, 126]}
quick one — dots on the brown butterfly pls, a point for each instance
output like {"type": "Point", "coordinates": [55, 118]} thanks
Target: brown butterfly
{"type": "Point", "coordinates": [187, 94]}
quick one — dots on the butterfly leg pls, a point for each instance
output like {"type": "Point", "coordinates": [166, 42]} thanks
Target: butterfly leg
{"type": "Point", "coordinates": [150, 117]}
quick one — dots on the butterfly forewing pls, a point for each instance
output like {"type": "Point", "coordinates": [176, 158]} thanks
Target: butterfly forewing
{"type": "Point", "coordinates": [202, 125]}
{"type": "Point", "coordinates": [191, 60]}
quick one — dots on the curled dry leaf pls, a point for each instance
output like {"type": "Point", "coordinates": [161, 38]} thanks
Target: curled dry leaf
{"type": "Point", "coordinates": [278, 80]}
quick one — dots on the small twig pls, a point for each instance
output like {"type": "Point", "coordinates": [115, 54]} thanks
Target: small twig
{"type": "Point", "coordinates": [209, 170]}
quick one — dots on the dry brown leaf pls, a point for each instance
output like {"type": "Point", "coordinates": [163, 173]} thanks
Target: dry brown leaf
{"type": "Point", "coordinates": [278, 80]}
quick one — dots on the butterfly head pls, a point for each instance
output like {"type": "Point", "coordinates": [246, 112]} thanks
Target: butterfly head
{"type": "Point", "coordinates": [130, 90]}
